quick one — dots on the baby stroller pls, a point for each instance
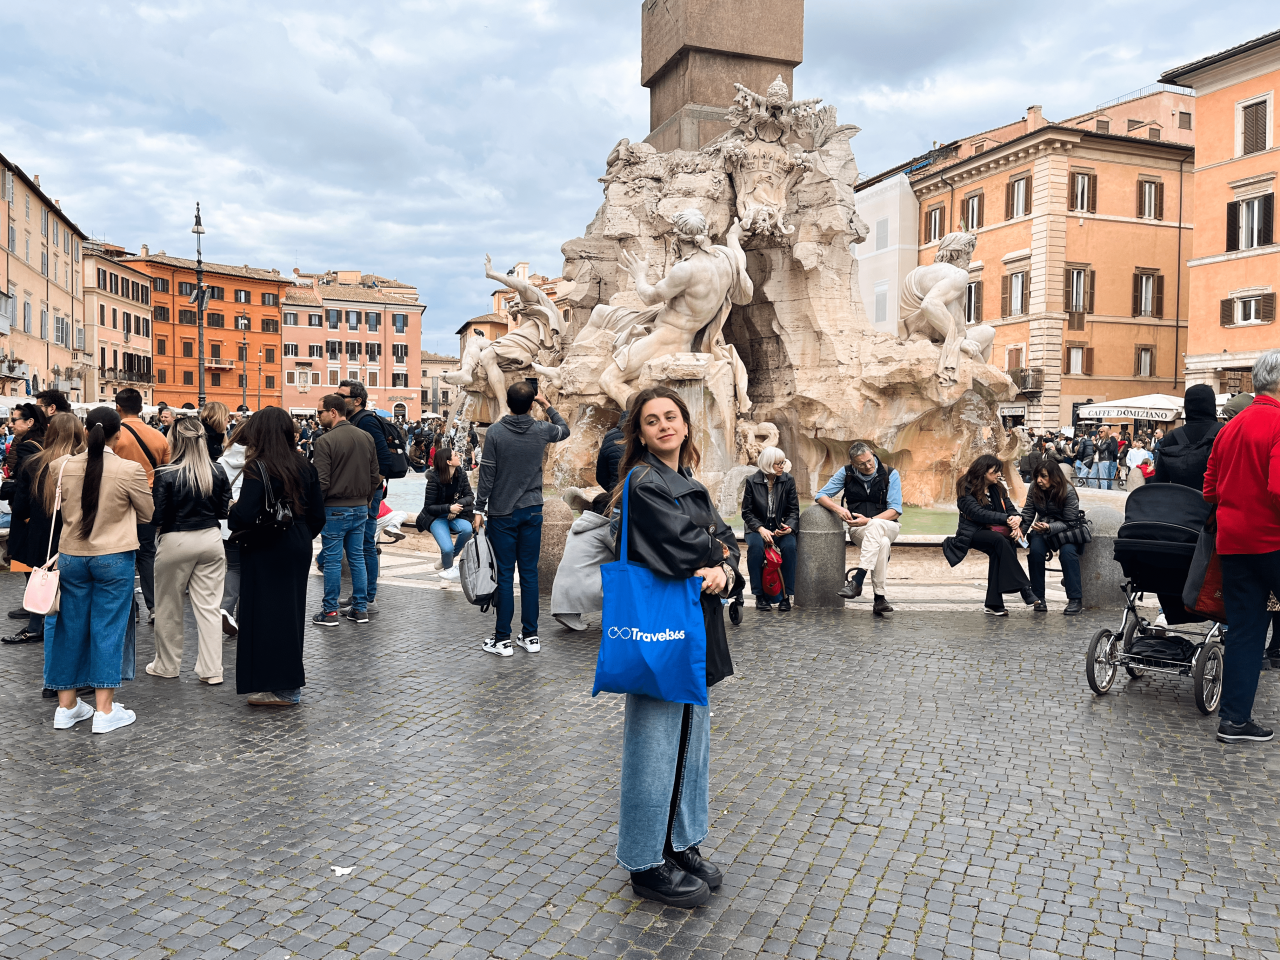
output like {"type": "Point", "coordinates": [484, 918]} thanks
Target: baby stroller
{"type": "Point", "coordinates": [1154, 547]}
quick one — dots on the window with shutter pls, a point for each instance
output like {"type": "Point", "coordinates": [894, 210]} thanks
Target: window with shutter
{"type": "Point", "coordinates": [1254, 124]}
{"type": "Point", "coordinates": [1159, 211]}
{"type": "Point", "coordinates": [1268, 306]}
{"type": "Point", "coordinates": [1093, 193]}
{"type": "Point", "coordinates": [1103, 126]}
{"type": "Point", "coordinates": [1004, 296]}
{"type": "Point", "coordinates": [1088, 361]}
{"type": "Point", "coordinates": [1137, 295]}
{"type": "Point", "coordinates": [1008, 201]}
{"type": "Point", "coordinates": [1266, 231]}
{"type": "Point", "coordinates": [1233, 226]}
{"type": "Point", "coordinates": [1093, 282]}
{"type": "Point", "coordinates": [1157, 301]}
{"type": "Point", "coordinates": [1226, 312]}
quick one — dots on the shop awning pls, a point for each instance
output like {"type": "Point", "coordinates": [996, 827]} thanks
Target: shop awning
{"type": "Point", "coordinates": [1153, 406]}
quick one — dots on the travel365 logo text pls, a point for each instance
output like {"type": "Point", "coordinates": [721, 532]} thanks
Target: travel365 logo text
{"type": "Point", "coordinates": [634, 633]}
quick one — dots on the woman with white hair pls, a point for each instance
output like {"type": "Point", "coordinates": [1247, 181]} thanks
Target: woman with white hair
{"type": "Point", "coordinates": [191, 494]}
{"type": "Point", "coordinates": [771, 512]}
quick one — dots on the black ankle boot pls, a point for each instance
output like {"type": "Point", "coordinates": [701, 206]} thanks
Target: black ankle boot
{"type": "Point", "coordinates": [1029, 597]}
{"type": "Point", "coordinates": [668, 884]}
{"type": "Point", "coordinates": [692, 863]}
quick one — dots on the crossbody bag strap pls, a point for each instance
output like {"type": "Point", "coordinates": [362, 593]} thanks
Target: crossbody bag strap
{"type": "Point", "coordinates": [626, 495]}
{"type": "Point", "coordinates": [266, 485]}
{"type": "Point", "coordinates": [146, 451]}
{"type": "Point", "coordinates": [53, 518]}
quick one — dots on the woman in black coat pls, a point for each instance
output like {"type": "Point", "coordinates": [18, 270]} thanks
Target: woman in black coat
{"type": "Point", "coordinates": [447, 509]}
{"type": "Point", "coordinates": [984, 504]}
{"type": "Point", "coordinates": [1052, 508]}
{"type": "Point", "coordinates": [274, 570]}
{"type": "Point", "coordinates": [771, 513]}
{"type": "Point", "coordinates": [675, 531]}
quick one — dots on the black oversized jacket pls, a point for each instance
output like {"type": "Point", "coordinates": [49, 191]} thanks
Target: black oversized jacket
{"type": "Point", "coordinates": [440, 496]}
{"type": "Point", "coordinates": [1058, 516]}
{"type": "Point", "coordinates": [974, 517]}
{"type": "Point", "coordinates": [755, 503]}
{"type": "Point", "coordinates": [675, 531]}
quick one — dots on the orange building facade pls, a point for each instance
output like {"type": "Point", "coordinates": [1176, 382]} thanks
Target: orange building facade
{"type": "Point", "coordinates": [1080, 232]}
{"type": "Point", "coordinates": [1235, 266]}
{"type": "Point", "coordinates": [242, 341]}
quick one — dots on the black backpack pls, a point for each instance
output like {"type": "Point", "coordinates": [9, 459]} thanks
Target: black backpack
{"type": "Point", "coordinates": [1185, 463]}
{"type": "Point", "coordinates": [395, 445]}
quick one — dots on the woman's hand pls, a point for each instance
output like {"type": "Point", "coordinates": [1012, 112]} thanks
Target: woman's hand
{"type": "Point", "coordinates": [455, 509]}
{"type": "Point", "coordinates": [1040, 526]}
{"type": "Point", "coordinates": [1015, 522]}
{"type": "Point", "coordinates": [766, 536]}
{"type": "Point", "coordinates": [713, 579]}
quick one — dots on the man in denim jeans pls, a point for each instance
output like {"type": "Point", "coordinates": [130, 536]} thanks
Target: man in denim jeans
{"type": "Point", "coordinates": [347, 462]}
{"type": "Point", "coordinates": [357, 398]}
{"type": "Point", "coordinates": [511, 490]}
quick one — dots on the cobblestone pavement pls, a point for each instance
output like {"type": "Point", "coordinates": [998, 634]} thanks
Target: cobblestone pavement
{"type": "Point", "coordinates": [942, 785]}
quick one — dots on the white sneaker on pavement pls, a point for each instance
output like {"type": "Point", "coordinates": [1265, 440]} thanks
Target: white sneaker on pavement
{"type": "Point", "coordinates": [501, 648]}
{"type": "Point", "coordinates": [451, 575]}
{"type": "Point", "coordinates": [118, 717]}
{"type": "Point", "coordinates": [64, 719]}
{"type": "Point", "coordinates": [531, 644]}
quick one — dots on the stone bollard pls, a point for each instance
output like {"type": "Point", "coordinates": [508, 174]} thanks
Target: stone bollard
{"type": "Point", "coordinates": [1100, 574]}
{"type": "Point", "coordinates": [820, 545]}
{"type": "Point", "coordinates": [557, 518]}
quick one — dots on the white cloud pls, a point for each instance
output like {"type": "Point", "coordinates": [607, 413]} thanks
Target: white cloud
{"type": "Point", "coordinates": [410, 137]}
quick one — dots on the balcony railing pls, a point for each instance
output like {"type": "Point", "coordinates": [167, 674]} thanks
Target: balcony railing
{"type": "Point", "coordinates": [219, 363]}
{"type": "Point", "coordinates": [1028, 380]}
{"type": "Point", "coordinates": [129, 376]}
{"type": "Point", "coordinates": [14, 371]}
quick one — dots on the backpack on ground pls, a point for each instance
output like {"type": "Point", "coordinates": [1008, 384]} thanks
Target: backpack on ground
{"type": "Point", "coordinates": [477, 572]}
{"type": "Point", "coordinates": [395, 445]}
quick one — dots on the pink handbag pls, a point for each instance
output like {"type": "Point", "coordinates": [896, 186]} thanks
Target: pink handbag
{"type": "Point", "coordinates": [43, 591]}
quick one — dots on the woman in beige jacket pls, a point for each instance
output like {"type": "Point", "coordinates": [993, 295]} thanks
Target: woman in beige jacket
{"type": "Point", "coordinates": [104, 498]}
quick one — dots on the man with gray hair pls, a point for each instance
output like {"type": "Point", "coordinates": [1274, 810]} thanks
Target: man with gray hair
{"type": "Point", "coordinates": [872, 503]}
{"type": "Point", "coordinates": [1243, 479]}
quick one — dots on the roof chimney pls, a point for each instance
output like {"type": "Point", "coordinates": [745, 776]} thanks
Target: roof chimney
{"type": "Point", "coordinates": [1035, 118]}
{"type": "Point", "coordinates": [36, 178]}
{"type": "Point", "coordinates": [146, 251]}
{"type": "Point", "coordinates": [58, 204]}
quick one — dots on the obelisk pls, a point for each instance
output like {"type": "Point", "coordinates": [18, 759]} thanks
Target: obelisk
{"type": "Point", "coordinates": [692, 52]}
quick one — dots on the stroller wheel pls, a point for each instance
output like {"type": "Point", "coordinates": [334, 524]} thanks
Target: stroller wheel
{"type": "Point", "coordinates": [735, 612]}
{"type": "Point", "coordinates": [1207, 677]}
{"type": "Point", "coordinates": [1100, 665]}
{"type": "Point", "coordinates": [1136, 624]}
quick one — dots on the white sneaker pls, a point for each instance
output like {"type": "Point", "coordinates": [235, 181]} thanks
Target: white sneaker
{"type": "Point", "coordinates": [451, 575]}
{"type": "Point", "coordinates": [501, 648]}
{"type": "Point", "coordinates": [118, 717]}
{"type": "Point", "coordinates": [64, 719]}
{"type": "Point", "coordinates": [1161, 621]}
{"type": "Point", "coordinates": [531, 644]}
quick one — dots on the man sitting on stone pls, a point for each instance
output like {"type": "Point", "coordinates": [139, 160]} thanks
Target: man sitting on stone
{"type": "Point", "coordinates": [872, 503]}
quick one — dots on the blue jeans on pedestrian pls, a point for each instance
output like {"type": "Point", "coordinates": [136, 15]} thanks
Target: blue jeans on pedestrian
{"type": "Point", "coordinates": [516, 540]}
{"type": "Point", "coordinates": [85, 643]}
{"type": "Point", "coordinates": [1068, 556]}
{"type": "Point", "coordinates": [786, 545]}
{"type": "Point", "coordinates": [1247, 579]}
{"type": "Point", "coordinates": [666, 764]}
{"type": "Point", "coordinates": [443, 528]}
{"type": "Point", "coordinates": [1101, 474]}
{"type": "Point", "coordinates": [343, 529]}
{"type": "Point", "coordinates": [371, 547]}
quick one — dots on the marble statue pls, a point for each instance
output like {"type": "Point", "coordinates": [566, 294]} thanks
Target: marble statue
{"type": "Point", "coordinates": [539, 328]}
{"type": "Point", "coordinates": [686, 309]}
{"type": "Point", "coordinates": [932, 305]}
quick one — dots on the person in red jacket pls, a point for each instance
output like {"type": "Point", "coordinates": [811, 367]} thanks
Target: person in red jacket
{"type": "Point", "coordinates": [1243, 479]}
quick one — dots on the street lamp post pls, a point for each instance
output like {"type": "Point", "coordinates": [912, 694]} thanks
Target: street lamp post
{"type": "Point", "coordinates": [198, 230]}
{"type": "Point", "coordinates": [259, 378]}
{"type": "Point", "coordinates": [244, 377]}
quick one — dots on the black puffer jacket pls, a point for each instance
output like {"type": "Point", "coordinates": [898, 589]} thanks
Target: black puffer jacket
{"type": "Point", "coordinates": [1058, 516]}
{"type": "Point", "coordinates": [755, 503]}
{"type": "Point", "coordinates": [178, 507]}
{"type": "Point", "coordinates": [675, 531]}
{"type": "Point", "coordinates": [974, 517]}
{"type": "Point", "coordinates": [441, 495]}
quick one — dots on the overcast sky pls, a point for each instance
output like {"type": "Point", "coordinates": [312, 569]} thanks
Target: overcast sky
{"type": "Point", "coordinates": [410, 137]}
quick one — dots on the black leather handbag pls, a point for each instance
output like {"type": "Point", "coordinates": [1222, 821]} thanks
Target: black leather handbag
{"type": "Point", "coordinates": [272, 522]}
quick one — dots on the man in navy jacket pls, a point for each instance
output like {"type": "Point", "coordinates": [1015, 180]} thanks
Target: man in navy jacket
{"type": "Point", "coordinates": [358, 414]}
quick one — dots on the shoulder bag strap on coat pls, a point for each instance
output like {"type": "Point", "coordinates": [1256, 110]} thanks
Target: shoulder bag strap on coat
{"type": "Point", "coordinates": [626, 495]}
{"type": "Point", "coordinates": [266, 485]}
{"type": "Point", "coordinates": [53, 521]}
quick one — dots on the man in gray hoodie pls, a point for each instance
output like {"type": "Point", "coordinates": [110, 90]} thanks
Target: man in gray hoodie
{"type": "Point", "coordinates": [509, 502]}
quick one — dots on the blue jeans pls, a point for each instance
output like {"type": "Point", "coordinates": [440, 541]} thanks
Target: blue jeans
{"type": "Point", "coordinates": [1101, 474]}
{"type": "Point", "coordinates": [1068, 556]}
{"type": "Point", "coordinates": [517, 540]}
{"type": "Point", "coordinates": [343, 528]}
{"type": "Point", "coordinates": [371, 547]}
{"type": "Point", "coordinates": [1247, 578]}
{"type": "Point", "coordinates": [442, 528]}
{"type": "Point", "coordinates": [755, 563]}
{"type": "Point", "coordinates": [85, 644]}
{"type": "Point", "coordinates": [666, 763]}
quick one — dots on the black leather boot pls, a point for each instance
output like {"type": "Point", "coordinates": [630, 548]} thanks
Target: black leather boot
{"type": "Point", "coordinates": [692, 863]}
{"type": "Point", "coordinates": [668, 884]}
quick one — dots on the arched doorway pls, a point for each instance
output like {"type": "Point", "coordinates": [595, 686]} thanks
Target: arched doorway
{"type": "Point", "coordinates": [399, 411]}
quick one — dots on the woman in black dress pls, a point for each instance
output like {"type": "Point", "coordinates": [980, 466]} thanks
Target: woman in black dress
{"type": "Point", "coordinates": [274, 569]}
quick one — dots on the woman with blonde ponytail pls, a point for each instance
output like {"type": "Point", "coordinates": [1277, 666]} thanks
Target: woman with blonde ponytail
{"type": "Point", "coordinates": [104, 498]}
{"type": "Point", "coordinates": [191, 495]}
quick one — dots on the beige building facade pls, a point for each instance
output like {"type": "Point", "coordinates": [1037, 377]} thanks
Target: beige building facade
{"type": "Point", "coordinates": [117, 300]}
{"type": "Point", "coordinates": [42, 312]}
